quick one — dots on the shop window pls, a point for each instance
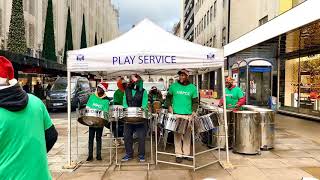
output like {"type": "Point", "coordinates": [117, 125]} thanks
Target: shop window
{"type": "Point", "coordinates": [263, 20]}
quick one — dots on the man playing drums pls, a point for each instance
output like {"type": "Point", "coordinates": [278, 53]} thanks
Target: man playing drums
{"type": "Point", "coordinates": [135, 96]}
{"type": "Point", "coordinates": [183, 101]}
{"type": "Point", "coordinates": [98, 101]}
{"type": "Point", "coordinates": [234, 95]}
{"type": "Point", "coordinates": [155, 99]}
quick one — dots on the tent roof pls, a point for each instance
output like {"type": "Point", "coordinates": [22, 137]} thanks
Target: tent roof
{"type": "Point", "coordinates": [146, 49]}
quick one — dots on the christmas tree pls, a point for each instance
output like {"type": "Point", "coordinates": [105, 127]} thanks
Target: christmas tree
{"type": "Point", "coordinates": [83, 34]}
{"type": "Point", "coordinates": [68, 45]}
{"type": "Point", "coordinates": [49, 50]}
{"type": "Point", "coordinates": [17, 39]}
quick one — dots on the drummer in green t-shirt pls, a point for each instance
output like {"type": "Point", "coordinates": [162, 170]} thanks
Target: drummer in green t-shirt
{"type": "Point", "coordinates": [183, 100]}
{"type": "Point", "coordinates": [234, 95]}
{"type": "Point", "coordinates": [98, 101]}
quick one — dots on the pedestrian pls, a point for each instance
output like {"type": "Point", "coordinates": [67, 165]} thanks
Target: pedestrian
{"type": "Point", "coordinates": [26, 130]}
{"type": "Point", "coordinates": [183, 101]}
{"type": "Point", "coordinates": [234, 95]}
{"type": "Point", "coordinates": [97, 101]}
{"type": "Point", "coordinates": [26, 87]}
{"type": "Point", "coordinates": [135, 96]}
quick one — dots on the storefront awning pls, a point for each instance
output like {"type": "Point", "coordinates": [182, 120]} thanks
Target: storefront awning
{"type": "Point", "coordinates": [301, 15]}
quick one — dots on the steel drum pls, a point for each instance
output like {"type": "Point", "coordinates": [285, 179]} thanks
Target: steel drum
{"type": "Point", "coordinates": [247, 132]}
{"type": "Point", "coordinates": [162, 116]}
{"type": "Point", "coordinates": [134, 115]}
{"type": "Point", "coordinates": [175, 124]}
{"type": "Point", "coordinates": [204, 123]}
{"type": "Point", "coordinates": [116, 112]}
{"type": "Point", "coordinates": [267, 125]}
{"type": "Point", "coordinates": [92, 117]}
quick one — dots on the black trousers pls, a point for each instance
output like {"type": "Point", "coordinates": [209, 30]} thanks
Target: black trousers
{"type": "Point", "coordinates": [140, 130]}
{"type": "Point", "coordinates": [92, 132]}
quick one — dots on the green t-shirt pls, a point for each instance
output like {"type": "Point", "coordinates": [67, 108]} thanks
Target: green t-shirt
{"type": "Point", "coordinates": [233, 96]}
{"type": "Point", "coordinates": [118, 97]}
{"type": "Point", "coordinates": [144, 99]}
{"type": "Point", "coordinates": [23, 153]}
{"type": "Point", "coordinates": [95, 102]}
{"type": "Point", "coordinates": [182, 97]}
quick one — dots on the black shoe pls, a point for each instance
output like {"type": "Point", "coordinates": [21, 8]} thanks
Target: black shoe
{"type": "Point", "coordinates": [90, 158]}
{"type": "Point", "coordinates": [99, 158]}
{"type": "Point", "coordinates": [188, 159]}
{"type": "Point", "coordinates": [178, 159]}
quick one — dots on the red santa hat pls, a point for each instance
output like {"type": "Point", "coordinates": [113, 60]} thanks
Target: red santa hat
{"type": "Point", "coordinates": [6, 72]}
{"type": "Point", "coordinates": [104, 86]}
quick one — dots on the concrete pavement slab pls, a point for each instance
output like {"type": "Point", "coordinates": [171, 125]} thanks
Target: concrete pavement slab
{"type": "Point", "coordinates": [169, 174]}
{"type": "Point", "coordinates": [126, 175]}
{"type": "Point", "coordinates": [301, 162]}
{"type": "Point", "coordinates": [211, 174]}
{"type": "Point", "coordinates": [285, 173]}
{"type": "Point", "coordinates": [314, 171]}
{"type": "Point", "coordinates": [247, 173]}
{"type": "Point", "coordinates": [268, 163]}
{"type": "Point", "coordinates": [291, 153]}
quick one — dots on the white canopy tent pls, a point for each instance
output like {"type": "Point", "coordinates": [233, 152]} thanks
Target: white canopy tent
{"type": "Point", "coordinates": [145, 49]}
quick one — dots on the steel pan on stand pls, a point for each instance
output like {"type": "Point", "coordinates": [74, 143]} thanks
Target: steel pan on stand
{"type": "Point", "coordinates": [135, 115]}
{"type": "Point", "coordinates": [218, 135]}
{"type": "Point", "coordinates": [247, 138]}
{"type": "Point", "coordinates": [116, 112]}
{"type": "Point", "coordinates": [92, 117]}
{"type": "Point", "coordinates": [176, 123]}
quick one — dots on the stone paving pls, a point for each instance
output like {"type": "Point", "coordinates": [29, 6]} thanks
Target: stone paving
{"type": "Point", "coordinates": [296, 155]}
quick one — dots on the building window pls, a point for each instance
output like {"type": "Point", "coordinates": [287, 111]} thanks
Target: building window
{"type": "Point", "coordinates": [215, 9]}
{"type": "Point", "coordinates": [31, 7]}
{"type": "Point", "coordinates": [211, 13]}
{"type": "Point", "coordinates": [25, 5]}
{"type": "Point", "coordinates": [208, 18]}
{"type": "Point", "coordinates": [214, 41]}
{"type": "Point", "coordinates": [1, 22]}
{"type": "Point", "coordinates": [205, 21]}
{"type": "Point", "coordinates": [210, 42]}
{"type": "Point", "coordinates": [223, 36]}
{"type": "Point", "coordinates": [44, 10]}
{"type": "Point", "coordinates": [223, 3]}
{"type": "Point", "coordinates": [263, 20]}
{"type": "Point", "coordinates": [31, 36]}
{"type": "Point", "coordinates": [195, 32]}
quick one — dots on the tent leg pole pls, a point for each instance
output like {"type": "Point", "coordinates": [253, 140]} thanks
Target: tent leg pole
{"type": "Point", "coordinates": [227, 164]}
{"type": "Point", "coordinates": [70, 164]}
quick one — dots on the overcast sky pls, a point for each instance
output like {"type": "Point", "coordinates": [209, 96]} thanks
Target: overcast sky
{"type": "Point", "coordinates": [163, 12]}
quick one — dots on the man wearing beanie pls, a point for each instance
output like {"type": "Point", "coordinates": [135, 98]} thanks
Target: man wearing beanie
{"type": "Point", "coordinates": [26, 130]}
{"type": "Point", "coordinates": [135, 96]}
{"type": "Point", "coordinates": [98, 101]}
{"type": "Point", "coordinates": [183, 100]}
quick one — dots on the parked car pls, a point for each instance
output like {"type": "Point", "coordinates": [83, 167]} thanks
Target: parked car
{"type": "Point", "coordinates": [57, 96]}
